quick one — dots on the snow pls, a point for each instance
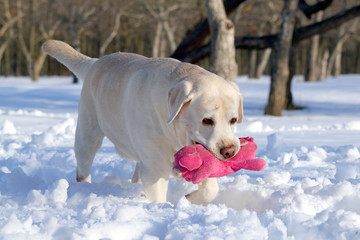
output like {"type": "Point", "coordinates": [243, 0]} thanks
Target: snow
{"type": "Point", "coordinates": [309, 190]}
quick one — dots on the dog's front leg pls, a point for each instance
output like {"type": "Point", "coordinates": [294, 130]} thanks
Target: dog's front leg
{"type": "Point", "coordinates": [155, 183]}
{"type": "Point", "coordinates": [208, 190]}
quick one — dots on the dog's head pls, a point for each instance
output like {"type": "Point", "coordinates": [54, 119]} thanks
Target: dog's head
{"type": "Point", "coordinates": [209, 108]}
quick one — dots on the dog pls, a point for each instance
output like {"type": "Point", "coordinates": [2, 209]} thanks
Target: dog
{"type": "Point", "coordinates": [149, 108]}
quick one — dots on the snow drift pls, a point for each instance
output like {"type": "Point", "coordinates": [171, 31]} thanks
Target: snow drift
{"type": "Point", "coordinates": [309, 190]}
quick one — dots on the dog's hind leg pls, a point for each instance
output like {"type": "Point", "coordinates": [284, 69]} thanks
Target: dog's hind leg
{"type": "Point", "coordinates": [88, 138]}
{"type": "Point", "coordinates": [136, 177]}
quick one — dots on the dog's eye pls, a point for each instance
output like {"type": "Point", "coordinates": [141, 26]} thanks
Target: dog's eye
{"type": "Point", "coordinates": [233, 121]}
{"type": "Point", "coordinates": [208, 122]}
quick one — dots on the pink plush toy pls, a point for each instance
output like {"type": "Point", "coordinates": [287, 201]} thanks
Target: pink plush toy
{"type": "Point", "coordinates": [196, 163]}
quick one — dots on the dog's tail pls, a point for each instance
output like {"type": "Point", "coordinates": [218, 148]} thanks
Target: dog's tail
{"type": "Point", "coordinates": [76, 62]}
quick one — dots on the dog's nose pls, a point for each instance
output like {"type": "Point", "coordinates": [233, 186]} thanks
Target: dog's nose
{"type": "Point", "coordinates": [228, 152]}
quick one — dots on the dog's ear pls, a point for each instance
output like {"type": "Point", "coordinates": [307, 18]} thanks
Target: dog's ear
{"type": "Point", "coordinates": [178, 96]}
{"type": "Point", "coordinates": [241, 112]}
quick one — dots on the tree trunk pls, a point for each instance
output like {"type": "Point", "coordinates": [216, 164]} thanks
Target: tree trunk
{"type": "Point", "coordinates": [3, 47]}
{"type": "Point", "coordinates": [38, 64]}
{"type": "Point", "coordinates": [157, 38]}
{"type": "Point", "coordinates": [280, 65]}
{"type": "Point", "coordinates": [8, 68]}
{"type": "Point", "coordinates": [19, 62]}
{"type": "Point", "coordinates": [324, 64]}
{"type": "Point", "coordinates": [34, 57]}
{"type": "Point", "coordinates": [111, 36]}
{"type": "Point", "coordinates": [264, 59]}
{"type": "Point", "coordinates": [343, 36]}
{"type": "Point", "coordinates": [222, 59]}
{"type": "Point", "coordinates": [164, 19]}
{"type": "Point", "coordinates": [163, 48]}
{"type": "Point", "coordinates": [337, 63]}
{"type": "Point", "coordinates": [311, 73]}
{"type": "Point", "coordinates": [263, 62]}
{"type": "Point", "coordinates": [252, 63]}
{"type": "Point", "coordinates": [196, 38]}
{"type": "Point", "coordinates": [289, 102]}
{"type": "Point", "coordinates": [312, 69]}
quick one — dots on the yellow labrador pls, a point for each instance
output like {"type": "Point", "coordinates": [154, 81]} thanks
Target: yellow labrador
{"type": "Point", "coordinates": [149, 108]}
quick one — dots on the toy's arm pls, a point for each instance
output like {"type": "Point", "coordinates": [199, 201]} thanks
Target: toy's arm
{"type": "Point", "coordinates": [216, 168]}
{"type": "Point", "coordinates": [188, 160]}
{"type": "Point", "coordinates": [255, 164]}
{"type": "Point", "coordinates": [190, 157]}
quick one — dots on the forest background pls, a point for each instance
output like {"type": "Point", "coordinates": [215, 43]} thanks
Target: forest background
{"type": "Point", "coordinates": [154, 28]}
{"type": "Point", "coordinates": [161, 28]}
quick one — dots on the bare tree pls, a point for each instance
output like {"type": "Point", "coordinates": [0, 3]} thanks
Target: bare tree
{"type": "Point", "coordinates": [37, 32]}
{"type": "Point", "coordinates": [157, 40]}
{"type": "Point", "coordinates": [222, 59]}
{"type": "Point", "coordinates": [334, 64]}
{"type": "Point", "coordinates": [111, 12]}
{"type": "Point", "coordinates": [7, 24]}
{"type": "Point", "coordinates": [106, 26]}
{"type": "Point", "coordinates": [312, 64]}
{"type": "Point", "coordinates": [77, 16]}
{"type": "Point", "coordinates": [111, 36]}
{"type": "Point", "coordinates": [280, 64]}
{"type": "Point", "coordinates": [324, 64]}
{"type": "Point", "coordinates": [268, 41]}
{"type": "Point", "coordinates": [195, 38]}
{"type": "Point", "coordinates": [272, 23]}
{"type": "Point", "coordinates": [253, 54]}
{"type": "Point", "coordinates": [160, 10]}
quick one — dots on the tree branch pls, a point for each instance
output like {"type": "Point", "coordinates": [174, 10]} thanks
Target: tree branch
{"type": "Point", "coordinates": [10, 20]}
{"type": "Point", "coordinates": [264, 42]}
{"type": "Point", "coordinates": [50, 33]}
{"type": "Point", "coordinates": [112, 35]}
{"type": "Point", "coordinates": [8, 24]}
{"type": "Point", "coordinates": [310, 10]}
{"type": "Point", "coordinates": [326, 25]}
{"type": "Point", "coordinates": [21, 32]}
{"type": "Point", "coordinates": [150, 9]}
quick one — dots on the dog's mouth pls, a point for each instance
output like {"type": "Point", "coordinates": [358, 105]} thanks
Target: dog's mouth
{"type": "Point", "coordinates": [196, 142]}
{"type": "Point", "coordinates": [218, 156]}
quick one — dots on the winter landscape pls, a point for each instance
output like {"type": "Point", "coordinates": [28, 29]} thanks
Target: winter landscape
{"type": "Point", "coordinates": [310, 188]}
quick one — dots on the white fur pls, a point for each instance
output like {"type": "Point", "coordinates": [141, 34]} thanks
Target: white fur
{"type": "Point", "coordinates": [149, 108]}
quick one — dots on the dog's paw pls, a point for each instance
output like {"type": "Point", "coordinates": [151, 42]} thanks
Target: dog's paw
{"type": "Point", "coordinates": [208, 190]}
{"type": "Point", "coordinates": [201, 197]}
{"type": "Point", "coordinates": [80, 178]}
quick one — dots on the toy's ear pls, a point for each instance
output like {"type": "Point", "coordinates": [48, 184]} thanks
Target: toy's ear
{"type": "Point", "coordinates": [241, 112]}
{"type": "Point", "coordinates": [178, 96]}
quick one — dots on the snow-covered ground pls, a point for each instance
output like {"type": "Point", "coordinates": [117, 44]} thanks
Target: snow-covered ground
{"type": "Point", "coordinates": [309, 190]}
